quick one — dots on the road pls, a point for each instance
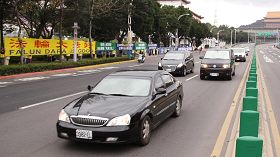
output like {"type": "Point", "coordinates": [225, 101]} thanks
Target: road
{"type": "Point", "coordinates": [31, 132]}
{"type": "Point", "coordinates": [269, 58]}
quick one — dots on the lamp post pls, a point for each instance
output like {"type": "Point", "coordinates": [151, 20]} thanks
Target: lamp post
{"type": "Point", "coordinates": [177, 30]}
{"type": "Point", "coordinates": [75, 27]}
{"type": "Point", "coordinates": [235, 36]}
{"type": "Point", "coordinates": [231, 31]}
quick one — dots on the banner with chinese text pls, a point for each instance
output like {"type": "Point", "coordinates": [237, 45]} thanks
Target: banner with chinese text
{"type": "Point", "coordinates": [44, 47]}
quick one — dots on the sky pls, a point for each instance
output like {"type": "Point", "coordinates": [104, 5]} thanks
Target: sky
{"type": "Point", "coordinates": [233, 12]}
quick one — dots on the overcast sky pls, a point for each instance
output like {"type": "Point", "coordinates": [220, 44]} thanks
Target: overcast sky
{"type": "Point", "coordinates": [234, 12]}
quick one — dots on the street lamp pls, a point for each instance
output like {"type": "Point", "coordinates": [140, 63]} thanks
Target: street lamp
{"type": "Point", "coordinates": [177, 30]}
{"type": "Point", "coordinates": [235, 36]}
{"type": "Point", "coordinates": [231, 31]}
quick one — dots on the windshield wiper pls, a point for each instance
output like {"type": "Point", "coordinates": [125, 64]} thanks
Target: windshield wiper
{"type": "Point", "coordinates": [119, 94]}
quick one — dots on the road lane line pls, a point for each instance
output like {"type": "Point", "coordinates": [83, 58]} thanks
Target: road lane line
{"type": "Point", "coordinates": [224, 130]}
{"type": "Point", "coordinates": [272, 119]}
{"type": "Point", "coordinates": [52, 100]}
{"type": "Point", "coordinates": [191, 78]}
{"type": "Point", "coordinates": [2, 86]}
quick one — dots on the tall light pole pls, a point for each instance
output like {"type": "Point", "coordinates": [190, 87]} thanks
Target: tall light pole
{"type": "Point", "coordinates": [177, 30]}
{"type": "Point", "coordinates": [231, 31]}
{"type": "Point", "coordinates": [235, 36]}
{"type": "Point", "coordinates": [129, 30]}
{"type": "Point", "coordinates": [75, 27]}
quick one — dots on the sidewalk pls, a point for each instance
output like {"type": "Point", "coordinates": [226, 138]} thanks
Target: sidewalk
{"type": "Point", "coordinates": [92, 67]}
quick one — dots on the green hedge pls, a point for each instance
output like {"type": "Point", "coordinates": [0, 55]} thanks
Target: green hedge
{"type": "Point", "coordinates": [38, 67]}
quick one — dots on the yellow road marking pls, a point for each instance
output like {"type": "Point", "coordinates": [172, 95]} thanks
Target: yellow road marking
{"type": "Point", "coordinates": [223, 133]}
{"type": "Point", "coordinates": [273, 123]}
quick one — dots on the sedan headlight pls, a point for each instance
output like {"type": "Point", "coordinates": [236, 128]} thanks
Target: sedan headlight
{"type": "Point", "coordinates": [159, 64]}
{"type": "Point", "coordinates": [119, 121]}
{"type": "Point", "coordinates": [204, 65]}
{"type": "Point", "coordinates": [226, 66]}
{"type": "Point", "coordinates": [63, 116]}
{"type": "Point", "coordinates": [180, 65]}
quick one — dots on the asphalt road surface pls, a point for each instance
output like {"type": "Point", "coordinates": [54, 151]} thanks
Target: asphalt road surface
{"type": "Point", "coordinates": [30, 131]}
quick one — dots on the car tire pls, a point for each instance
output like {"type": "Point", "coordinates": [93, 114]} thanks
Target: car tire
{"type": "Point", "coordinates": [184, 71]}
{"type": "Point", "coordinates": [144, 134]}
{"type": "Point", "coordinates": [202, 77]}
{"type": "Point", "coordinates": [178, 107]}
{"type": "Point", "coordinates": [229, 77]}
{"type": "Point", "coordinates": [192, 70]}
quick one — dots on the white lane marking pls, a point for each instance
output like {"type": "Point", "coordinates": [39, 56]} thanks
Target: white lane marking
{"type": "Point", "coordinates": [32, 78]}
{"type": "Point", "coordinates": [82, 74]}
{"type": "Point", "coordinates": [3, 83]}
{"type": "Point", "coordinates": [107, 68]}
{"type": "Point", "coordinates": [89, 71]}
{"type": "Point", "coordinates": [52, 100]}
{"type": "Point", "coordinates": [2, 86]}
{"type": "Point", "coordinates": [134, 66]}
{"type": "Point", "coordinates": [62, 75]}
{"type": "Point", "coordinates": [191, 78]}
{"type": "Point", "coordinates": [268, 60]}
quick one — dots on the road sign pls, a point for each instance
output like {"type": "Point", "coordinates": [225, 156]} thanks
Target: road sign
{"type": "Point", "coordinates": [105, 46]}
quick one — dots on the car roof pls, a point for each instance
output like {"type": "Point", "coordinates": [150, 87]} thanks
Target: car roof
{"type": "Point", "coordinates": [137, 73]}
{"type": "Point", "coordinates": [218, 50]}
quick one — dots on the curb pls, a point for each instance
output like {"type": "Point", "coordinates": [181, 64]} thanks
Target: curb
{"type": "Point", "coordinates": [62, 70]}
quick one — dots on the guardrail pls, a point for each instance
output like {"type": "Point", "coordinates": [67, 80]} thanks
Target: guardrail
{"type": "Point", "coordinates": [249, 144]}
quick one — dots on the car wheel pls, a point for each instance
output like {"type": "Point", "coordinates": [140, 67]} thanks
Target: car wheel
{"type": "Point", "coordinates": [233, 74]}
{"type": "Point", "coordinates": [192, 69]}
{"type": "Point", "coordinates": [184, 71]}
{"type": "Point", "coordinates": [202, 77]}
{"type": "Point", "coordinates": [145, 131]}
{"type": "Point", "coordinates": [178, 108]}
{"type": "Point", "coordinates": [229, 77]}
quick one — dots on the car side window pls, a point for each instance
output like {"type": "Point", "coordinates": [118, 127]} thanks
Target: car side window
{"type": "Point", "coordinates": [168, 80]}
{"type": "Point", "coordinates": [159, 83]}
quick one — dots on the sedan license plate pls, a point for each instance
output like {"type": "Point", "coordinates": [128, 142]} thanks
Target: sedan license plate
{"type": "Point", "coordinates": [238, 59]}
{"type": "Point", "coordinates": [214, 74]}
{"type": "Point", "coordinates": [168, 70]}
{"type": "Point", "coordinates": [84, 134]}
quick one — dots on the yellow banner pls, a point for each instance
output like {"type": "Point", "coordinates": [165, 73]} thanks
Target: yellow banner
{"type": "Point", "coordinates": [45, 47]}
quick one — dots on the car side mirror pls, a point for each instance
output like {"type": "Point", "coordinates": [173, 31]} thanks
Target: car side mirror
{"type": "Point", "coordinates": [201, 57]}
{"type": "Point", "coordinates": [89, 88]}
{"type": "Point", "coordinates": [161, 91]}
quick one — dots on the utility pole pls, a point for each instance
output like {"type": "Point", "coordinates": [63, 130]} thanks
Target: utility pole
{"type": "Point", "coordinates": [278, 36]}
{"type": "Point", "coordinates": [256, 37]}
{"type": "Point", "coordinates": [75, 27]}
{"type": "Point", "coordinates": [231, 31]}
{"type": "Point", "coordinates": [129, 30]}
{"type": "Point", "coordinates": [235, 36]}
{"type": "Point", "coordinates": [60, 30]}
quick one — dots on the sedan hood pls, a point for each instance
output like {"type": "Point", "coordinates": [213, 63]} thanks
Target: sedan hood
{"type": "Point", "coordinates": [171, 62]}
{"type": "Point", "coordinates": [105, 106]}
{"type": "Point", "coordinates": [215, 61]}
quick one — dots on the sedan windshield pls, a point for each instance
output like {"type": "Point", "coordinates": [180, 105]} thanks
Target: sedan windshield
{"type": "Point", "coordinates": [123, 86]}
{"type": "Point", "coordinates": [217, 55]}
{"type": "Point", "coordinates": [173, 56]}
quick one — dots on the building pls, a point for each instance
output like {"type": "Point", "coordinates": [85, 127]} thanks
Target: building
{"type": "Point", "coordinates": [177, 3]}
{"type": "Point", "coordinates": [272, 20]}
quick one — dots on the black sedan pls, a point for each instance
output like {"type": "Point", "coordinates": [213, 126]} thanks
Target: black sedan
{"type": "Point", "coordinates": [218, 63]}
{"type": "Point", "coordinates": [177, 62]}
{"type": "Point", "coordinates": [124, 107]}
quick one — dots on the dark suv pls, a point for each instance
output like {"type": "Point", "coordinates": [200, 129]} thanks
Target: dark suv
{"type": "Point", "coordinates": [218, 63]}
{"type": "Point", "coordinates": [177, 62]}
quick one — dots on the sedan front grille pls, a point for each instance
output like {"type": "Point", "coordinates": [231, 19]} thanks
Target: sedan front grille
{"type": "Point", "coordinates": [92, 121]}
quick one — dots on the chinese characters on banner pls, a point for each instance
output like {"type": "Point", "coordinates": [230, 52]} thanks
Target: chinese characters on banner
{"type": "Point", "coordinates": [45, 47]}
